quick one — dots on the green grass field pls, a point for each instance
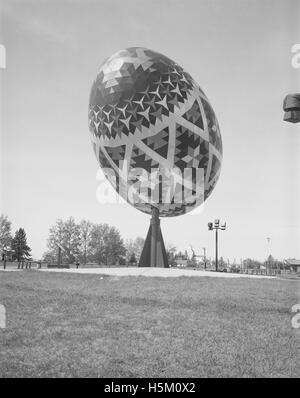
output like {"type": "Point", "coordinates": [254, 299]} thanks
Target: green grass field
{"type": "Point", "coordinates": [68, 325]}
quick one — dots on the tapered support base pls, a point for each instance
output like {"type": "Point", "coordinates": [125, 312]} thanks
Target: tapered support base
{"type": "Point", "coordinates": [154, 252]}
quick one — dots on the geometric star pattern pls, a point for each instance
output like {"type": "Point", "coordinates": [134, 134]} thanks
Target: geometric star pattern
{"type": "Point", "coordinates": [146, 112]}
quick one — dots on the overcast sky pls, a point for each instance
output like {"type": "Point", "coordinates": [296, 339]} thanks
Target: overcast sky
{"type": "Point", "coordinates": [240, 54]}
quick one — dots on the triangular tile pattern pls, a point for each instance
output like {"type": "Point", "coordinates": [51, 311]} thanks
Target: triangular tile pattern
{"type": "Point", "coordinates": [215, 166]}
{"type": "Point", "coordinates": [159, 142]}
{"type": "Point", "coordinates": [213, 126]}
{"type": "Point", "coordinates": [104, 163]}
{"type": "Point", "coordinates": [139, 159]}
{"type": "Point", "coordinates": [116, 154]}
{"type": "Point", "coordinates": [194, 116]}
{"type": "Point", "coordinates": [186, 152]}
{"type": "Point", "coordinates": [204, 156]}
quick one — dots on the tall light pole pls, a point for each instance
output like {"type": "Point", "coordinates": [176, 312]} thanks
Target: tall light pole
{"type": "Point", "coordinates": [268, 254]}
{"type": "Point", "coordinates": [216, 226]}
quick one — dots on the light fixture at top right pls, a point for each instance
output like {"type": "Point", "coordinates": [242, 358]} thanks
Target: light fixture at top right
{"type": "Point", "coordinates": [291, 107]}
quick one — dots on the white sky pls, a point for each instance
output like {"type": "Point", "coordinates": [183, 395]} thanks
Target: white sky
{"type": "Point", "coordinates": [240, 54]}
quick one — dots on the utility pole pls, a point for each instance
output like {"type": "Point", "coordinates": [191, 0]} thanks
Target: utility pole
{"type": "Point", "coordinates": [216, 260]}
{"type": "Point", "coordinates": [216, 226]}
{"type": "Point", "coordinates": [204, 257]}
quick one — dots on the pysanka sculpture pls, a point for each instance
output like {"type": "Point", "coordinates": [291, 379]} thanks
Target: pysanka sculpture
{"type": "Point", "coordinates": [156, 137]}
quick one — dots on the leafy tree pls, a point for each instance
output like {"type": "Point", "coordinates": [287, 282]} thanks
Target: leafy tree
{"type": "Point", "coordinates": [97, 242]}
{"type": "Point", "coordinates": [134, 246]}
{"type": "Point", "coordinates": [132, 259]}
{"type": "Point", "coordinates": [115, 248]}
{"type": "Point", "coordinates": [50, 256]}
{"type": "Point", "coordinates": [66, 233]}
{"type": "Point", "coordinates": [250, 263]}
{"type": "Point", "coordinates": [122, 260]}
{"type": "Point", "coordinates": [86, 241]}
{"type": "Point", "coordinates": [85, 238]}
{"type": "Point", "coordinates": [280, 264]}
{"type": "Point", "coordinates": [186, 255]}
{"type": "Point", "coordinates": [19, 245]}
{"type": "Point", "coordinates": [171, 250]}
{"type": "Point", "coordinates": [222, 263]}
{"type": "Point", "coordinates": [138, 244]}
{"type": "Point", "coordinates": [180, 255]}
{"type": "Point", "coordinates": [5, 233]}
{"type": "Point", "coordinates": [106, 245]}
{"type": "Point", "coordinates": [270, 262]}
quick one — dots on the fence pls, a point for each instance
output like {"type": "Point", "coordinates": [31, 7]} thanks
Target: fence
{"type": "Point", "coordinates": [42, 264]}
{"type": "Point", "coordinates": [20, 265]}
{"type": "Point", "coordinates": [4, 264]}
{"type": "Point", "coordinates": [269, 272]}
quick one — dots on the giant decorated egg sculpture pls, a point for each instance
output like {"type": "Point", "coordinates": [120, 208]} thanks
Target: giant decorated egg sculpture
{"type": "Point", "coordinates": [149, 120]}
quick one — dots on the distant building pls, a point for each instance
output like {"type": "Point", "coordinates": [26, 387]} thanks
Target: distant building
{"type": "Point", "coordinates": [294, 264]}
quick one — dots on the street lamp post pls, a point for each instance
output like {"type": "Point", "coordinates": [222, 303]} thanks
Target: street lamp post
{"type": "Point", "coordinates": [216, 226]}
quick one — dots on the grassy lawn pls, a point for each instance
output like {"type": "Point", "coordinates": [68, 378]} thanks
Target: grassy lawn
{"type": "Point", "coordinates": [70, 325]}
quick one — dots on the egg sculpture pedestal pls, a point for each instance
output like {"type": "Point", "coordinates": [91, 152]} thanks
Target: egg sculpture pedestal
{"type": "Point", "coordinates": [148, 116]}
{"type": "Point", "coordinates": [154, 252]}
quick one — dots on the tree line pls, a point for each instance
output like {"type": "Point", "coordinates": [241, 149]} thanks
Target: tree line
{"type": "Point", "coordinates": [99, 243]}
{"type": "Point", "coordinates": [83, 242]}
